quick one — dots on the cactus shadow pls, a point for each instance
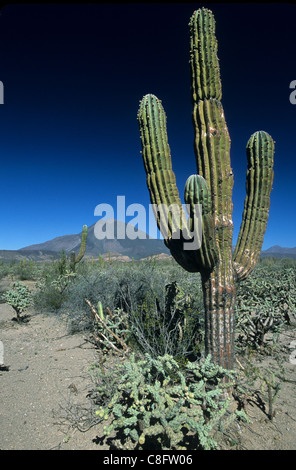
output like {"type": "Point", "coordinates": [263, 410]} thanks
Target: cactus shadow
{"type": "Point", "coordinates": [22, 320]}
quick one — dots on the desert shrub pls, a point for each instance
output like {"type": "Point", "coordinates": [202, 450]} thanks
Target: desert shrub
{"type": "Point", "coordinates": [162, 316]}
{"type": "Point", "coordinates": [269, 287]}
{"type": "Point", "coordinates": [155, 403]}
{"type": "Point", "coordinates": [19, 297]}
{"type": "Point", "coordinates": [26, 270]}
{"type": "Point", "coordinates": [263, 302]}
{"type": "Point", "coordinates": [4, 269]}
{"type": "Point", "coordinates": [52, 288]}
{"type": "Point", "coordinates": [112, 330]}
{"type": "Point", "coordinates": [254, 328]}
{"type": "Point", "coordinates": [98, 286]}
{"type": "Point", "coordinates": [168, 322]}
{"type": "Point", "coordinates": [23, 270]}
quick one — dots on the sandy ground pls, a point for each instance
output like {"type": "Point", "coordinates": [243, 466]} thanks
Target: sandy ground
{"type": "Point", "coordinates": [48, 373]}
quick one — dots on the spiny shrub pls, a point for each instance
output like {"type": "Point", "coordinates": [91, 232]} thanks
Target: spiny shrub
{"type": "Point", "coordinates": [4, 269]}
{"type": "Point", "coordinates": [162, 317]}
{"type": "Point", "coordinates": [19, 297]}
{"type": "Point", "coordinates": [263, 303]}
{"type": "Point", "coordinates": [155, 403]}
{"type": "Point", "coordinates": [268, 287]}
{"type": "Point", "coordinates": [168, 322]}
{"type": "Point", "coordinates": [255, 327]}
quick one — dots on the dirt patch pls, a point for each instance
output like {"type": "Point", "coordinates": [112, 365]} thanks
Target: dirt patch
{"type": "Point", "coordinates": [271, 427]}
{"type": "Point", "coordinates": [48, 373]}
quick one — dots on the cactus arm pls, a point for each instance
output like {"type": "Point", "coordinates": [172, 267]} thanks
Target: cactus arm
{"type": "Point", "coordinates": [161, 180]}
{"type": "Point", "coordinates": [260, 152]}
{"type": "Point", "coordinates": [197, 192]}
{"type": "Point", "coordinates": [83, 244]}
{"type": "Point", "coordinates": [74, 260]}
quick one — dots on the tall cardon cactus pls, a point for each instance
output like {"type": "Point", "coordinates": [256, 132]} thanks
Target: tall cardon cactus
{"type": "Point", "coordinates": [219, 266]}
{"type": "Point", "coordinates": [76, 259]}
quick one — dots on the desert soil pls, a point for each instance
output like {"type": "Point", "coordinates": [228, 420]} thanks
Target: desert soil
{"type": "Point", "coordinates": [45, 383]}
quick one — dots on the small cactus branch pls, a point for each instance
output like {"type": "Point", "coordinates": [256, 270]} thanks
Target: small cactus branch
{"type": "Point", "coordinates": [260, 152]}
{"type": "Point", "coordinates": [99, 319]}
{"type": "Point", "coordinates": [197, 192]}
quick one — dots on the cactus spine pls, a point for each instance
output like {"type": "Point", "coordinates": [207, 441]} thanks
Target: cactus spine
{"type": "Point", "coordinates": [212, 188]}
{"type": "Point", "coordinates": [76, 259]}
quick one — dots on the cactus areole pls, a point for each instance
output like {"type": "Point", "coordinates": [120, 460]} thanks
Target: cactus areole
{"type": "Point", "coordinates": [219, 267]}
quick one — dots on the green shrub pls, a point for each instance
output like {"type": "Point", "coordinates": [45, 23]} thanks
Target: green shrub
{"type": "Point", "coordinates": [168, 322]}
{"type": "Point", "coordinates": [4, 269]}
{"type": "Point", "coordinates": [52, 291]}
{"type": "Point", "coordinates": [157, 404]}
{"type": "Point", "coordinates": [162, 317]}
{"type": "Point", "coordinates": [263, 302]}
{"type": "Point", "coordinates": [19, 297]}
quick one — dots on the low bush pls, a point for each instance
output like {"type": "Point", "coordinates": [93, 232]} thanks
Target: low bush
{"type": "Point", "coordinates": [161, 316]}
{"type": "Point", "coordinates": [19, 297]}
{"type": "Point", "coordinates": [155, 403]}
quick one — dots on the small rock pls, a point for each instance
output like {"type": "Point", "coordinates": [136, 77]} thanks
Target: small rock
{"type": "Point", "coordinates": [73, 388]}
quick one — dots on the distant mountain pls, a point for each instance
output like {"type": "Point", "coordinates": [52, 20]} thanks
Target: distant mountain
{"type": "Point", "coordinates": [140, 247]}
{"type": "Point", "coordinates": [19, 255]}
{"type": "Point", "coordinates": [279, 252]}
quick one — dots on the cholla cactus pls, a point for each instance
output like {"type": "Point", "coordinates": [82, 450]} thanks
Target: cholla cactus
{"type": "Point", "coordinates": [211, 188]}
{"type": "Point", "coordinates": [19, 297]}
{"type": "Point", "coordinates": [157, 400]}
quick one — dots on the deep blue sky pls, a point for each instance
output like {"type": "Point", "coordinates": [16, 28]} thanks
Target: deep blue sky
{"type": "Point", "coordinates": [73, 77]}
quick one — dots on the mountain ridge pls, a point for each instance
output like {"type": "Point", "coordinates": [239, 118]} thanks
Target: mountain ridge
{"type": "Point", "coordinates": [113, 240]}
{"type": "Point", "coordinates": [141, 247]}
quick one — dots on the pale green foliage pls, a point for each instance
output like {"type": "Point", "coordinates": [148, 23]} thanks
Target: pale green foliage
{"type": "Point", "coordinates": [19, 297]}
{"type": "Point", "coordinates": [62, 281]}
{"type": "Point", "coordinates": [155, 403]}
{"type": "Point", "coordinates": [264, 300]}
{"type": "Point", "coordinates": [53, 285]}
{"type": "Point", "coordinates": [256, 326]}
{"type": "Point", "coordinates": [167, 323]}
{"type": "Point", "coordinates": [263, 381]}
{"type": "Point", "coordinates": [115, 322]}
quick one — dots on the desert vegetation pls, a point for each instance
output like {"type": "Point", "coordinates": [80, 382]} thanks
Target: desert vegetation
{"type": "Point", "coordinates": [154, 387]}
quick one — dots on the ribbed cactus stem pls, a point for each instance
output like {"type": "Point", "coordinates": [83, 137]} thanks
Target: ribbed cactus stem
{"type": "Point", "coordinates": [260, 151]}
{"type": "Point", "coordinates": [100, 310]}
{"type": "Point", "coordinates": [212, 151]}
{"type": "Point", "coordinates": [205, 71]}
{"type": "Point", "coordinates": [197, 193]}
{"type": "Point", "coordinates": [161, 180]}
